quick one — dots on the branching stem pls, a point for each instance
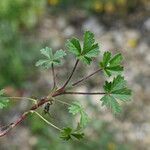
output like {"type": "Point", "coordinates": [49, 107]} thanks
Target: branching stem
{"type": "Point", "coordinates": [28, 98]}
{"type": "Point", "coordinates": [54, 77]}
{"type": "Point", "coordinates": [74, 68]}
{"type": "Point", "coordinates": [84, 93]}
{"type": "Point", "coordinates": [5, 129]}
{"type": "Point", "coordinates": [62, 102]}
{"type": "Point", "coordinates": [87, 77]}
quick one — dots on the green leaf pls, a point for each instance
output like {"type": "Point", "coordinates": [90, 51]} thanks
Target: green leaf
{"type": "Point", "coordinates": [2, 92]}
{"type": "Point", "coordinates": [84, 119]}
{"type": "Point", "coordinates": [116, 90]}
{"type": "Point", "coordinates": [46, 52]}
{"type": "Point", "coordinates": [111, 64]}
{"type": "Point", "coordinates": [3, 100]}
{"type": "Point", "coordinates": [65, 134]}
{"type": "Point", "coordinates": [68, 133]}
{"type": "Point", "coordinates": [59, 54]}
{"type": "Point", "coordinates": [78, 136]}
{"type": "Point", "coordinates": [88, 40]}
{"type": "Point", "coordinates": [51, 58]}
{"type": "Point", "coordinates": [110, 102]}
{"type": "Point", "coordinates": [76, 108]}
{"type": "Point", "coordinates": [90, 48]}
{"type": "Point", "coordinates": [73, 46]}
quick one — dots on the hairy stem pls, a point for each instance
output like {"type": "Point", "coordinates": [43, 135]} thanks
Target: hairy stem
{"type": "Point", "coordinates": [54, 77]}
{"type": "Point", "coordinates": [84, 93]}
{"type": "Point", "coordinates": [87, 77]}
{"type": "Point", "coordinates": [74, 68]}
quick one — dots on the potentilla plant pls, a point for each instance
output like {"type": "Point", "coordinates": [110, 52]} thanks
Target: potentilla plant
{"type": "Point", "coordinates": [114, 92]}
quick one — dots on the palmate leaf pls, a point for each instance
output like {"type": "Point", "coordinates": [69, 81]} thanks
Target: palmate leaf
{"type": "Point", "coordinates": [84, 119]}
{"type": "Point", "coordinates": [51, 58]}
{"type": "Point", "coordinates": [3, 100]}
{"type": "Point", "coordinates": [115, 90]}
{"type": "Point", "coordinates": [89, 49]}
{"type": "Point", "coordinates": [65, 134]}
{"type": "Point", "coordinates": [111, 102]}
{"type": "Point", "coordinates": [111, 64]}
{"type": "Point", "coordinates": [68, 133]}
{"type": "Point", "coordinates": [76, 108]}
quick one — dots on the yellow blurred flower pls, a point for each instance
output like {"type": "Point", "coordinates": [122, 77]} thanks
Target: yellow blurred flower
{"type": "Point", "coordinates": [132, 43]}
{"type": "Point", "coordinates": [111, 146]}
{"type": "Point", "coordinates": [121, 2]}
{"type": "Point", "coordinates": [98, 6]}
{"type": "Point", "coordinates": [53, 2]}
{"type": "Point", "coordinates": [109, 7]}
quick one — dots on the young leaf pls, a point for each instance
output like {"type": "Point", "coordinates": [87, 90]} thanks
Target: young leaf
{"type": "Point", "coordinates": [73, 46]}
{"type": "Point", "coordinates": [78, 136]}
{"type": "Point", "coordinates": [3, 101]}
{"type": "Point", "coordinates": [65, 134]}
{"type": "Point", "coordinates": [89, 50]}
{"type": "Point", "coordinates": [84, 119]}
{"type": "Point", "coordinates": [51, 58]}
{"type": "Point", "coordinates": [110, 102]}
{"type": "Point", "coordinates": [111, 64]}
{"type": "Point", "coordinates": [115, 90]}
{"type": "Point", "coordinates": [68, 133]}
{"type": "Point", "coordinates": [75, 108]}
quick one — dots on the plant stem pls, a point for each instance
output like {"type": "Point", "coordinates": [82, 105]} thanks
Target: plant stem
{"type": "Point", "coordinates": [74, 68]}
{"type": "Point", "coordinates": [83, 93]}
{"type": "Point", "coordinates": [28, 98]}
{"type": "Point", "coordinates": [85, 78]}
{"type": "Point", "coordinates": [54, 77]}
{"type": "Point", "coordinates": [40, 103]}
{"type": "Point", "coordinates": [62, 102]}
{"type": "Point", "coordinates": [5, 129]}
{"type": "Point", "coordinates": [49, 123]}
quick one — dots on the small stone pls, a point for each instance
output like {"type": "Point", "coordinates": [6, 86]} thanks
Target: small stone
{"type": "Point", "coordinates": [147, 24]}
{"type": "Point", "coordinates": [69, 31]}
{"type": "Point", "coordinates": [61, 22]}
{"type": "Point", "coordinates": [93, 25]}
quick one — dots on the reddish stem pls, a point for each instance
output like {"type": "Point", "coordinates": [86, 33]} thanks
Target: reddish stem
{"type": "Point", "coordinates": [5, 129]}
{"type": "Point", "coordinates": [74, 68]}
{"type": "Point", "coordinates": [85, 78]}
{"type": "Point", "coordinates": [84, 93]}
{"type": "Point", "coordinates": [54, 77]}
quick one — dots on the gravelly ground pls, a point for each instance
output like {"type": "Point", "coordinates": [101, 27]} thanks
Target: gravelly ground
{"type": "Point", "coordinates": [134, 123]}
{"type": "Point", "coordinates": [134, 44]}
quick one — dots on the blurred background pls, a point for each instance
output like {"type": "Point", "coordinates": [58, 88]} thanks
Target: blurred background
{"type": "Point", "coordinates": [119, 26]}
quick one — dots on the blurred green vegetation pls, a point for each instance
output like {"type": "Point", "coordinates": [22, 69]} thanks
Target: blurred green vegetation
{"type": "Point", "coordinates": [101, 137]}
{"type": "Point", "coordinates": [17, 44]}
{"type": "Point", "coordinates": [18, 51]}
{"type": "Point", "coordinates": [21, 13]}
{"type": "Point", "coordinates": [119, 7]}
{"type": "Point", "coordinates": [18, 22]}
{"type": "Point", "coordinates": [99, 134]}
